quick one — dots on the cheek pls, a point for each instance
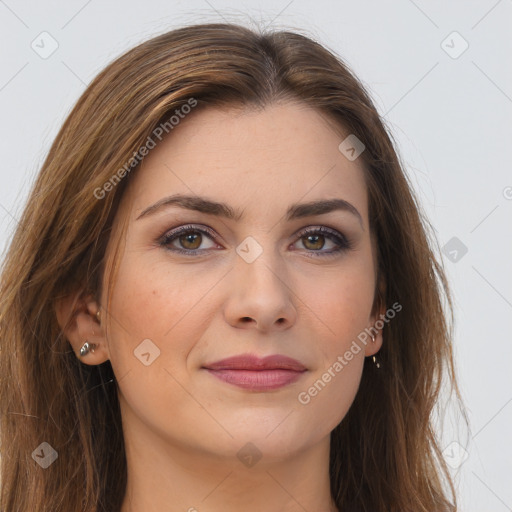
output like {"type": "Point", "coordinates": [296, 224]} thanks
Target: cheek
{"type": "Point", "coordinates": [150, 296]}
{"type": "Point", "coordinates": [341, 302]}
{"type": "Point", "coordinates": [148, 303]}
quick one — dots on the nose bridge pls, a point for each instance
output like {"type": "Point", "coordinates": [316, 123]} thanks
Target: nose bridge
{"type": "Point", "coordinates": [258, 263]}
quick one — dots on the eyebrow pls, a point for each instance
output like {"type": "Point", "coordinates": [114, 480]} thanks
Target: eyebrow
{"type": "Point", "coordinates": [204, 205]}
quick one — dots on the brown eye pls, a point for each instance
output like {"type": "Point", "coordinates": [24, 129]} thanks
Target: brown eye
{"type": "Point", "coordinates": [191, 240]}
{"type": "Point", "coordinates": [314, 242]}
{"type": "Point", "coordinates": [187, 240]}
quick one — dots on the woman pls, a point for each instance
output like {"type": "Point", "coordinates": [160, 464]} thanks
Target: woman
{"type": "Point", "coordinates": [222, 295]}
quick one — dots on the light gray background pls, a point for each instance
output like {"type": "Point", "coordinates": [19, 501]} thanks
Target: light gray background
{"type": "Point", "coordinates": [450, 116]}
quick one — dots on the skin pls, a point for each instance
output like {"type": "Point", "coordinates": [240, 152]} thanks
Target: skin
{"type": "Point", "coordinates": [182, 426]}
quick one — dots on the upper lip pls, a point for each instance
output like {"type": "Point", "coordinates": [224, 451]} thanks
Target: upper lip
{"type": "Point", "coordinates": [252, 362]}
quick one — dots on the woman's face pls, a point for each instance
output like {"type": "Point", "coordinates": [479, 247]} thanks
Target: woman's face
{"type": "Point", "coordinates": [256, 284]}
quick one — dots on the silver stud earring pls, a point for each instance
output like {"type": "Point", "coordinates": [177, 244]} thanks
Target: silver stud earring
{"type": "Point", "coordinates": [89, 347]}
{"type": "Point", "coordinates": [86, 348]}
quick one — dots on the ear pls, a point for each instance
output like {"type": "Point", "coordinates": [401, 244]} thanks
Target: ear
{"type": "Point", "coordinates": [376, 322]}
{"type": "Point", "coordinates": [78, 319]}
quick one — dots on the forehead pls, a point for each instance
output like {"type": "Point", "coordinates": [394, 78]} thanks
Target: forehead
{"type": "Point", "coordinates": [256, 160]}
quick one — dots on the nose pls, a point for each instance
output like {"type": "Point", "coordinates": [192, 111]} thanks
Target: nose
{"type": "Point", "coordinates": [260, 296]}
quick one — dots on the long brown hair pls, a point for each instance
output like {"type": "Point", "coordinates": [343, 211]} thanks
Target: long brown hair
{"type": "Point", "coordinates": [385, 455]}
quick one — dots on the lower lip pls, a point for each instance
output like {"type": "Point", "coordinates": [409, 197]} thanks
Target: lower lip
{"type": "Point", "coordinates": [257, 380]}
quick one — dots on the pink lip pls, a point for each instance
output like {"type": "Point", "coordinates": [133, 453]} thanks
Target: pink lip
{"type": "Point", "coordinates": [251, 372]}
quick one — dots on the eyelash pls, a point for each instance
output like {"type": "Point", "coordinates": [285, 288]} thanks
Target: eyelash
{"type": "Point", "coordinates": [343, 244]}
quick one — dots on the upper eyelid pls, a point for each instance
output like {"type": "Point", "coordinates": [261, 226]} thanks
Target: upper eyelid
{"type": "Point", "coordinates": [213, 233]}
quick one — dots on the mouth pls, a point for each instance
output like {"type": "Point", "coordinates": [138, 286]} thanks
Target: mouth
{"type": "Point", "coordinates": [253, 373]}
